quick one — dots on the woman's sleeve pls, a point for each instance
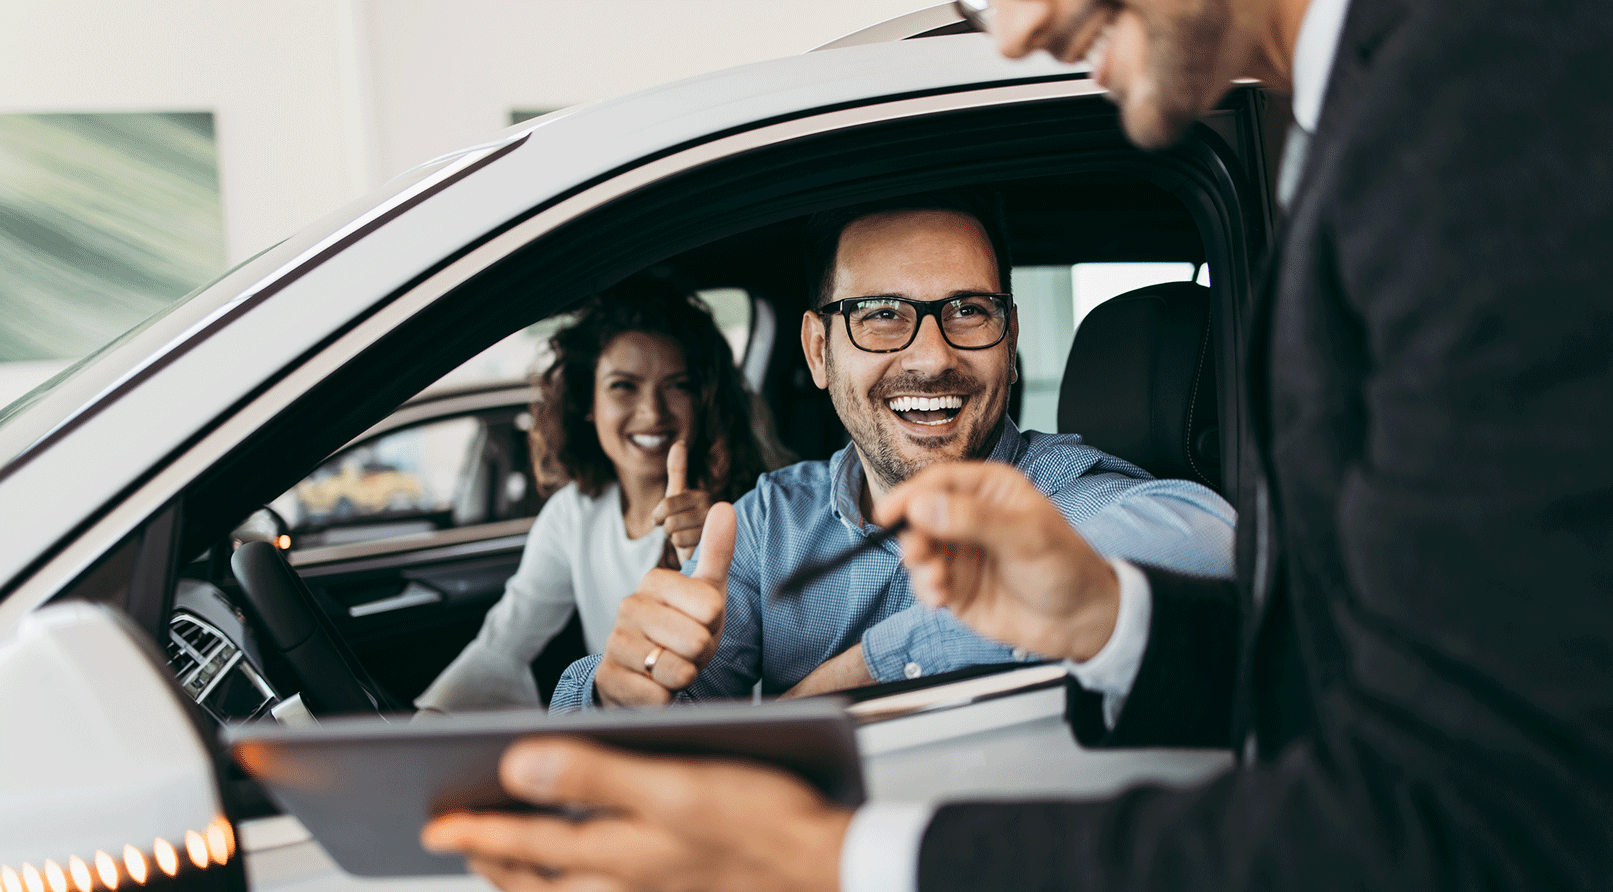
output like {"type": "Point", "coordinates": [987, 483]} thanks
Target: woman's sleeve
{"type": "Point", "coordinates": [494, 670]}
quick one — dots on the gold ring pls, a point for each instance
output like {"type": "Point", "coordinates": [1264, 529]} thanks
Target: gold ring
{"type": "Point", "coordinates": [651, 658]}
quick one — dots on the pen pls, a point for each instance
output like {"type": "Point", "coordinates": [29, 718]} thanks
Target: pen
{"type": "Point", "coordinates": [806, 574]}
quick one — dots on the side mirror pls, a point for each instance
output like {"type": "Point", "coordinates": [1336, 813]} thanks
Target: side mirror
{"type": "Point", "coordinates": [110, 783]}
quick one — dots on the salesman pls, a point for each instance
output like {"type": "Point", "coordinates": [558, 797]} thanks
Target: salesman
{"type": "Point", "coordinates": [1418, 660]}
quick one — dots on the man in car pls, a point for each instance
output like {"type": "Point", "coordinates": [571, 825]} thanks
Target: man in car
{"type": "Point", "coordinates": [1417, 662]}
{"type": "Point", "coordinates": [913, 335]}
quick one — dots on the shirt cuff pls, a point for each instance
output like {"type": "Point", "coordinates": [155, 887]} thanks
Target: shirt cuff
{"type": "Point", "coordinates": [574, 692]}
{"type": "Point", "coordinates": [1113, 669]}
{"type": "Point", "coordinates": [881, 849]}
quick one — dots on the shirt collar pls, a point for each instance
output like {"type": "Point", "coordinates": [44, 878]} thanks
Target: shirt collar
{"type": "Point", "coordinates": [846, 474]}
{"type": "Point", "coordinates": [1313, 58]}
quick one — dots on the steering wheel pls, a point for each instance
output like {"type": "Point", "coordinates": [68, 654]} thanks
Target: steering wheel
{"type": "Point", "coordinates": [332, 678]}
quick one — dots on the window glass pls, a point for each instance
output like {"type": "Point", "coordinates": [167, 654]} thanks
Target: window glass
{"type": "Point", "coordinates": [408, 481]}
{"type": "Point", "coordinates": [518, 357]}
{"type": "Point", "coordinates": [732, 309]}
{"type": "Point", "coordinates": [1058, 298]}
{"type": "Point", "coordinates": [459, 471]}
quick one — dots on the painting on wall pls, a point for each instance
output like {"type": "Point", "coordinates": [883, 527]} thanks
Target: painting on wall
{"type": "Point", "coordinates": [527, 114]}
{"type": "Point", "coordinates": [104, 220]}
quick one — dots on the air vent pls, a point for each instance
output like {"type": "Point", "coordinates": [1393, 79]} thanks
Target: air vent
{"type": "Point", "coordinates": [211, 670]}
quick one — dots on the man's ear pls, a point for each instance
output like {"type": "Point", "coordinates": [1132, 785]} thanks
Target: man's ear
{"type": "Point", "coordinates": [1013, 344]}
{"type": "Point", "coordinates": [815, 344]}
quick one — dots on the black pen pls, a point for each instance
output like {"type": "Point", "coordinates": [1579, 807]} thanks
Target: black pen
{"type": "Point", "coordinates": [808, 573]}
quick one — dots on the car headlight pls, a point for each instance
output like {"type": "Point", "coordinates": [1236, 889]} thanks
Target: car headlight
{"type": "Point", "coordinates": [108, 781]}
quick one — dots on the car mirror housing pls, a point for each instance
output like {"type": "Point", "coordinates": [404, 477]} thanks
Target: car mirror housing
{"type": "Point", "coordinates": [108, 781]}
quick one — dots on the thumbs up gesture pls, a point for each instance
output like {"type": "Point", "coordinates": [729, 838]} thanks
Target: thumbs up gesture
{"type": "Point", "coordinates": [668, 629]}
{"type": "Point", "coordinates": [682, 513]}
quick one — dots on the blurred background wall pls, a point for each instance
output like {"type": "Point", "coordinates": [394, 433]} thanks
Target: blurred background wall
{"type": "Point", "coordinates": [145, 147]}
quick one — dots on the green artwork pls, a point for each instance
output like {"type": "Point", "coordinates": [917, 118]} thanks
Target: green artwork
{"type": "Point", "coordinates": [104, 220]}
{"type": "Point", "coordinates": [527, 114]}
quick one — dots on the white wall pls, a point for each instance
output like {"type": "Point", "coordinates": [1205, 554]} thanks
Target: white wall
{"type": "Point", "coordinates": [317, 101]}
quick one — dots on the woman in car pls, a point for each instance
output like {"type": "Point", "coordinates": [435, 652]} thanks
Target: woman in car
{"type": "Point", "coordinates": [641, 423]}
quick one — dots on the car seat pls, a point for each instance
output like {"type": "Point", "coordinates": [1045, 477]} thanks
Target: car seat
{"type": "Point", "coordinates": [1140, 382]}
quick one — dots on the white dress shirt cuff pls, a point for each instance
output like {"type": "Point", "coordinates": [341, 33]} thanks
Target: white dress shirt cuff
{"type": "Point", "coordinates": [1113, 669]}
{"type": "Point", "coordinates": [881, 850]}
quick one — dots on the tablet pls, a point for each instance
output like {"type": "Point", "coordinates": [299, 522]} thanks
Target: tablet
{"type": "Point", "coordinates": [364, 787]}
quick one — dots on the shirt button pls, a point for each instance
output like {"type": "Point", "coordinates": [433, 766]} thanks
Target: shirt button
{"type": "Point", "coordinates": [1021, 654]}
{"type": "Point", "coordinates": [912, 670]}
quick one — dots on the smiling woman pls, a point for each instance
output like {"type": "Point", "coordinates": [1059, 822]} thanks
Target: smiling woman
{"type": "Point", "coordinates": [641, 423]}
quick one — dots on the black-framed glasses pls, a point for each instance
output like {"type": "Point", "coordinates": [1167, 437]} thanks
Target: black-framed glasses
{"type": "Point", "coordinates": [885, 324]}
{"type": "Point", "coordinates": [978, 13]}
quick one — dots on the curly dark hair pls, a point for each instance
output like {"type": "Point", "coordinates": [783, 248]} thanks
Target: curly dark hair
{"type": "Point", "coordinates": [724, 455]}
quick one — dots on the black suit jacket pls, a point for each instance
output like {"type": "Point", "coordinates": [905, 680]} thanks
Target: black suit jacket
{"type": "Point", "coordinates": [1420, 646]}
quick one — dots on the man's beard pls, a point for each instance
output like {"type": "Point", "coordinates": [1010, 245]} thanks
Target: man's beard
{"type": "Point", "coordinates": [879, 444]}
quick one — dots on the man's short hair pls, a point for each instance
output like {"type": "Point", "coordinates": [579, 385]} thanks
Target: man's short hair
{"type": "Point", "coordinates": [824, 229]}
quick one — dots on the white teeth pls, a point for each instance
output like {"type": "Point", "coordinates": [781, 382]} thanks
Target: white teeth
{"type": "Point", "coordinates": [648, 441]}
{"type": "Point", "coordinates": [925, 404]}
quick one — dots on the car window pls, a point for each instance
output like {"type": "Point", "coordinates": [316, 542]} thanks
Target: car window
{"type": "Point", "coordinates": [458, 472]}
{"type": "Point", "coordinates": [411, 481]}
{"type": "Point", "coordinates": [1058, 298]}
{"type": "Point", "coordinates": [732, 309]}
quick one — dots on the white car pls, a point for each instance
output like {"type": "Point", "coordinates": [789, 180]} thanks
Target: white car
{"type": "Point", "coordinates": [128, 480]}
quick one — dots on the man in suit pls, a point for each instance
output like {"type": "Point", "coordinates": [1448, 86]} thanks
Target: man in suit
{"type": "Point", "coordinates": [1417, 661]}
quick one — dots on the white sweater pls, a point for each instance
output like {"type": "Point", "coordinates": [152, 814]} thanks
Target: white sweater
{"type": "Point", "coordinates": [577, 554]}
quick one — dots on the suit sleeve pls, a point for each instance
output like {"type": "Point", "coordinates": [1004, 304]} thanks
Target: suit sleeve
{"type": "Point", "coordinates": [1183, 692]}
{"type": "Point", "coordinates": [1463, 738]}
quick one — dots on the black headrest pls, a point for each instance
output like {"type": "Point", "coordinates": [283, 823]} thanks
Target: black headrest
{"type": "Point", "coordinates": [1140, 382]}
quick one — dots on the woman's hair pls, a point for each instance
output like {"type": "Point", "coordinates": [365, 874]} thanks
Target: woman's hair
{"type": "Point", "coordinates": [724, 456]}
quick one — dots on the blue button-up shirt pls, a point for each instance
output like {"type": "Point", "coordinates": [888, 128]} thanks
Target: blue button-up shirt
{"type": "Point", "coordinates": [811, 509]}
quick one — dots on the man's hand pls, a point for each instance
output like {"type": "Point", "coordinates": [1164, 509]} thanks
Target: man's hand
{"type": "Point", "coordinates": [848, 670]}
{"type": "Point", "coordinates": [667, 630]}
{"type": "Point", "coordinates": [672, 824]}
{"type": "Point", "coordinates": [1065, 28]}
{"type": "Point", "coordinates": [682, 514]}
{"type": "Point", "coordinates": [985, 544]}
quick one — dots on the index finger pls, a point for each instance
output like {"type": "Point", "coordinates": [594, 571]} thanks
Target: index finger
{"type": "Point", "coordinates": [978, 503]}
{"type": "Point", "coordinates": [663, 789]}
{"type": "Point", "coordinates": [917, 491]}
{"type": "Point", "coordinates": [677, 468]}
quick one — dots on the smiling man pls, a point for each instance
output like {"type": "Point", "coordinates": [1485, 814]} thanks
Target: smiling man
{"type": "Point", "coordinates": [913, 336]}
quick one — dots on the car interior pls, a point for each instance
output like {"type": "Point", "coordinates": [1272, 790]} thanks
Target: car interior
{"type": "Point", "coordinates": [1155, 246]}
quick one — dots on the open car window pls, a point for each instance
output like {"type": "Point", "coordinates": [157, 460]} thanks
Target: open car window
{"type": "Point", "coordinates": [1079, 198]}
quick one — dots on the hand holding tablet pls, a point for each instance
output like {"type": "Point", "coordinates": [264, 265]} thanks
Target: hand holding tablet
{"type": "Point", "coordinates": [365, 787]}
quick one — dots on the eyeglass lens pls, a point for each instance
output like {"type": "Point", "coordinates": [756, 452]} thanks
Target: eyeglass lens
{"type": "Point", "coordinates": [973, 321]}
